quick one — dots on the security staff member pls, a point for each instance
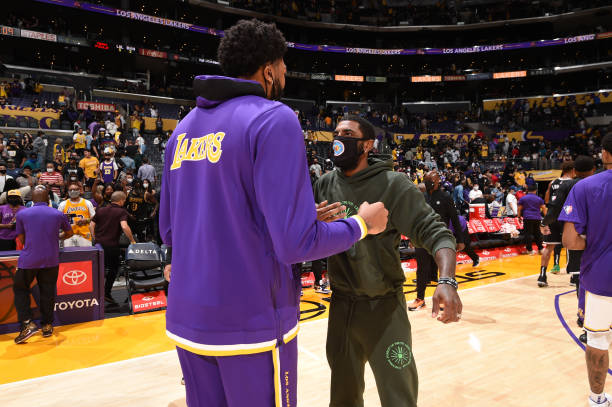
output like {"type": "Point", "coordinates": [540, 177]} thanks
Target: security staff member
{"type": "Point", "coordinates": [442, 204]}
{"type": "Point", "coordinates": [37, 228]}
{"type": "Point", "coordinates": [106, 227]}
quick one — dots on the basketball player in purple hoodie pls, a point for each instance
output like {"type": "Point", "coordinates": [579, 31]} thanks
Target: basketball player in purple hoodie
{"type": "Point", "coordinates": [237, 210]}
{"type": "Point", "coordinates": [587, 218]}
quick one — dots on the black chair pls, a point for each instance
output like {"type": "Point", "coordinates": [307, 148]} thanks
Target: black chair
{"type": "Point", "coordinates": [55, 124]}
{"type": "Point", "coordinates": [144, 278]}
{"type": "Point", "coordinates": [66, 125]}
{"type": "Point", "coordinates": [11, 122]}
{"type": "Point", "coordinates": [33, 123]}
{"type": "Point", "coordinates": [22, 122]}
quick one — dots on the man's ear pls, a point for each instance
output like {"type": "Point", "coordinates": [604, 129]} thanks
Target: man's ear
{"type": "Point", "coordinates": [368, 146]}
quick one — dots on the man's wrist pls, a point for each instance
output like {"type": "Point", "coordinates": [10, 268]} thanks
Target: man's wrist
{"type": "Point", "coordinates": [363, 227]}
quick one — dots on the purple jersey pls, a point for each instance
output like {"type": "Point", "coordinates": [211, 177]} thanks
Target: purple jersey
{"type": "Point", "coordinates": [531, 204]}
{"type": "Point", "coordinates": [108, 171]}
{"type": "Point", "coordinates": [587, 207]}
{"type": "Point", "coordinates": [8, 216]}
{"type": "Point", "coordinates": [462, 222]}
{"type": "Point", "coordinates": [237, 208]}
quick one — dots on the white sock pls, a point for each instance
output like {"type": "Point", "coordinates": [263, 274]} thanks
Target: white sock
{"type": "Point", "coordinates": [598, 398]}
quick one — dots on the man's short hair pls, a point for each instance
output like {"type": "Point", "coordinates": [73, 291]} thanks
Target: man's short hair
{"type": "Point", "coordinates": [567, 166]}
{"type": "Point", "coordinates": [606, 143]}
{"type": "Point", "coordinates": [584, 163]}
{"type": "Point", "coordinates": [367, 129]}
{"type": "Point", "coordinates": [248, 45]}
{"type": "Point", "coordinates": [118, 196]}
{"type": "Point", "coordinates": [532, 187]}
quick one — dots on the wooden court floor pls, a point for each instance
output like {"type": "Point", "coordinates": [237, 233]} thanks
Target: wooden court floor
{"type": "Point", "coordinates": [511, 349]}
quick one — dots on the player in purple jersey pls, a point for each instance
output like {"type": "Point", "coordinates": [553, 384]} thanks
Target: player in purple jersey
{"type": "Point", "coordinates": [587, 218]}
{"type": "Point", "coordinates": [237, 209]}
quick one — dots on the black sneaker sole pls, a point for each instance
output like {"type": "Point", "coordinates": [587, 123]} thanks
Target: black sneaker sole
{"type": "Point", "coordinates": [47, 334]}
{"type": "Point", "coordinates": [28, 336]}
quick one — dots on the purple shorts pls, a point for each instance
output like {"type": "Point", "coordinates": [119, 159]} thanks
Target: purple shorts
{"type": "Point", "coordinates": [267, 379]}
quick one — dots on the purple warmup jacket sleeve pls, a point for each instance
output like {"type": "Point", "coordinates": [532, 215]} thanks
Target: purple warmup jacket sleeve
{"type": "Point", "coordinates": [284, 193]}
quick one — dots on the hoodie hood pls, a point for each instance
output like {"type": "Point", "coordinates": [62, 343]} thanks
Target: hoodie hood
{"type": "Point", "coordinates": [375, 167]}
{"type": "Point", "coordinates": [211, 90]}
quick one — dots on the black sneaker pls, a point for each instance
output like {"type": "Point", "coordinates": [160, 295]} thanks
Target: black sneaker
{"type": "Point", "coordinates": [542, 281]}
{"type": "Point", "coordinates": [183, 381]}
{"type": "Point", "coordinates": [583, 337]}
{"type": "Point", "coordinates": [47, 330]}
{"type": "Point", "coordinates": [476, 263]}
{"type": "Point", "coordinates": [580, 322]}
{"type": "Point", "coordinates": [574, 279]}
{"type": "Point", "coordinates": [27, 331]}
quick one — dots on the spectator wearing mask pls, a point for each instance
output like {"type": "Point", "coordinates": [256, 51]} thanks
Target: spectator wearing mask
{"type": "Point", "coordinates": [8, 219]}
{"type": "Point", "coordinates": [72, 171]}
{"type": "Point", "coordinates": [39, 146]}
{"type": "Point", "coordinates": [11, 169]}
{"type": "Point", "coordinates": [147, 171]}
{"type": "Point", "coordinates": [3, 176]}
{"type": "Point", "coordinates": [52, 178]}
{"type": "Point", "coordinates": [90, 165]}
{"type": "Point", "coordinates": [127, 161]}
{"type": "Point", "coordinates": [80, 141]}
{"type": "Point", "coordinates": [37, 228]}
{"type": "Point", "coordinates": [475, 193]}
{"type": "Point", "coordinates": [108, 168]}
{"type": "Point", "coordinates": [80, 212]}
{"type": "Point", "coordinates": [512, 203]}
{"type": "Point", "coordinates": [106, 226]}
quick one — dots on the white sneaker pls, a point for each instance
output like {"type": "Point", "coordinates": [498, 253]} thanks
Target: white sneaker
{"type": "Point", "coordinates": [607, 402]}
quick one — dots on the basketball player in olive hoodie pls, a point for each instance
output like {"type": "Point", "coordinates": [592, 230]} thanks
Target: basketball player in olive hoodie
{"type": "Point", "coordinates": [368, 321]}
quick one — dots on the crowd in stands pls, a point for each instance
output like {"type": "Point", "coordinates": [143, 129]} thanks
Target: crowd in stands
{"type": "Point", "coordinates": [104, 155]}
{"type": "Point", "coordinates": [385, 13]}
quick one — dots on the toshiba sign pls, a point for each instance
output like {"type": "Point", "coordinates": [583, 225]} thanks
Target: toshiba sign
{"type": "Point", "coordinates": [96, 107]}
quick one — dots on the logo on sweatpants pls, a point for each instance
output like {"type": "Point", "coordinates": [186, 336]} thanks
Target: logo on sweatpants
{"type": "Point", "coordinates": [399, 355]}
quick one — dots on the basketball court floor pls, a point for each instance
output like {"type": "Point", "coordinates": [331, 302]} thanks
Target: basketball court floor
{"type": "Point", "coordinates": [515, 346]}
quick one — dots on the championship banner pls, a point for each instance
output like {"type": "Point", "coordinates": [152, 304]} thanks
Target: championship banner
{"type": "Point", "coordinates": [43, 115]}
{"type": "Point", "coordinates": [95, 106]}
{"type": "Point", "coordinates": [80, 289]}
{"type": "Point", "coordinates": [603, 96]}
{"type": "Point", "coordinates": [546, 175]}
{"type": "Point", "coordinates": [97, 8]}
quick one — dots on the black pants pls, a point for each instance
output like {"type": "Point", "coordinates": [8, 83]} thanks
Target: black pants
{"type": "Point", "coordinates": [111, 266]}
{"type": "Point", "coordinates": [427, 270]}
{"type": "Point", "coordinates": [468, 247]}
{"type": "Point", "coordinates": [7, 245]}
{"type": "Point", "coordinates": [377, 331]}
{"type": "Point", "coordinates": [317, 271]}
{"type": "Point", "coordinates": [47, 281]}
{"type": "Point", "coordinates": [532, 232]}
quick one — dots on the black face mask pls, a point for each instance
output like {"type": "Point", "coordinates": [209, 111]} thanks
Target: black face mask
{"type": "Point", "coordinates": [346, 152]}
{"type": "Point", "coordinates": [2, 172]}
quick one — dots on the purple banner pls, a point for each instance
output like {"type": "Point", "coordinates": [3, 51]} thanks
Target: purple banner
{"type": "Point", "coordinates": [324, 48]}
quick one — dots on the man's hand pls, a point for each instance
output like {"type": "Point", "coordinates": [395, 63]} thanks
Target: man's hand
{"type": "Point", "coordinates": [81, 222]}
{"type": "Point", "coordinates": [330, 213]}
{"type": "Point", "coordinates": [167, 272]}
{"type": "Point", "coordinates": [545, 230]}
{"type": "Point", "coordinates": [446, 296]}
{"type": "Point", "coordinates": [460, 246]}
{"type": "Point", "coordinates": [375, 216]}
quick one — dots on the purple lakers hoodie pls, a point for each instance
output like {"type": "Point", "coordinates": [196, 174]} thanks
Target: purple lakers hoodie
{"type": "Point", "coordinates": [237, 208]}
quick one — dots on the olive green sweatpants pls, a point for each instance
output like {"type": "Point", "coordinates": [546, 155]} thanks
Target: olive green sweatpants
{"type": "Point", "coordinates": [376, 331]}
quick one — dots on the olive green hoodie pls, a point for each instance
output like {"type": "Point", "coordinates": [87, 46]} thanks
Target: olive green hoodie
{"type": "Point", "coordinates": [372, 267]}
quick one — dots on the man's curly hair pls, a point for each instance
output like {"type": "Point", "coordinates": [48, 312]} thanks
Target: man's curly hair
{"type": "Point", "coordinates": [248, 45]}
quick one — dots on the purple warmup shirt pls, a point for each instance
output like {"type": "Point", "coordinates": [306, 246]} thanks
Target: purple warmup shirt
{"type": "Point", "coordinates": [588, 208]}
{"type": "Point", "coordinates": [531, 204]}
{"type": "Point", "coordinates": [462, 222]}
{"type": "Point", "coordinates": [41, 225]}
{"type": "Point", "coordinates": [6, 217]}
{"type": "Point", "coordinates": [237, 208]}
